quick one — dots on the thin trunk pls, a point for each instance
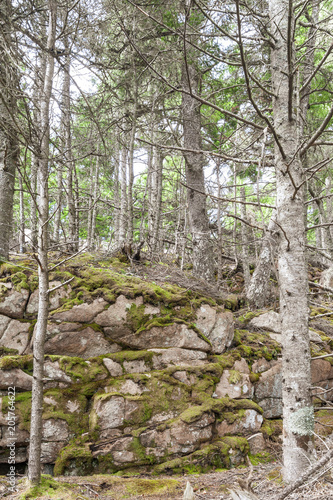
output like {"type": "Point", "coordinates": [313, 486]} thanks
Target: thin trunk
{"type": "Point", "coordinates": [123, 199]}
{"type": "Point", "coordinates": [219, 229]}
{"type": "Point", "coordinates": [57, 216]}
{"type": "Point", "coordinates": [43, 275]}
{"type": "Point", "coordinates": [22, 220]}
{"type": "Point", "coordinates": [296, 392]}
{"type": "Point", "coordinates": [90, 207]}
{"type": "Point", "coordinates": [158, 201]}
{"type": "Point", "coordinates": [257, 293]}
{"type": "Point", "coordinates": [131, 164]}
{"type": "Point", "coordinates": [94, 207]}
{"type": "Point", "coordinates": [245, 243]}
{"type": "Point", "coordinates": [8, 137]}
{"type": "Point", "coordinates": [116, 194]}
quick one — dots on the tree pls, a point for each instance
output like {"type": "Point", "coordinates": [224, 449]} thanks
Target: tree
{"type": "Point", "coordinates": [9, 149]}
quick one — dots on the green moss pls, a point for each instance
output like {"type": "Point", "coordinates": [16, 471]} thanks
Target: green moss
{"type": "Point", "coordinates": [271, 429]}
{"type": "Point", "coordinates": [235, 377]}
{"type": "Point", "coordinates": [6, 351]}
{"type": "Point", "coordinates": [58, 404]}
{"type": "Point", "coordinates": [49, 488]}
{"type": "Point", "coordinates": [261, 458]}
{"type": "Point", "coordinates": [22, 408]}
{"type": "Point", "coordinates": [254, 377]}
{"type": "Point", "coordinates": [140, 452]}
{"type": "Point", "coordinates": [224, 453]}
{"type": "Point", "coordinates": [24, 362]}
{"type": "Point", "coordinates": [77, 457]}
{"type": "Point", "coordinates": [147, 487]}
{"type": "Point", "coordinates": [232, 302]}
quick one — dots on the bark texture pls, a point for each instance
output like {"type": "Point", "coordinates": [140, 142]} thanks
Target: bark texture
{"type": "Point", "coordinates": [8, 137]}
{"type": "Point", "coordinates": [203, 260]}
{"type": "Point", "coordinates": [297, 408]}
{"type": "Point", "coordinates": [43, 303]}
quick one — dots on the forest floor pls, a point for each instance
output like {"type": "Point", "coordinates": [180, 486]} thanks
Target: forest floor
{"type": "Point", "coordinates": [265, 480]}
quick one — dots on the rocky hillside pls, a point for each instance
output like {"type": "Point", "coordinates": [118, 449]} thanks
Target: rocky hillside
{"type": "Point", "coordinates": [145, 375]}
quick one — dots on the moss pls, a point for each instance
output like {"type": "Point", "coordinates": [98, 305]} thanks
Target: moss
{"type": "Point", "coordinates": [224, 453]}
{"type": "Point", "coordinates": [22, 408]}
{"type": "Point", "coordinates": [49, 488]}
{"type": "Point", "coordinates": [254, 377]}
{"type": "Point", "coordinates": [232, 302]}
{"type": "Point", "coordinates": [58, 403]}
{"type": "Point", "coordinates": [140, 452]}
{"type": "Point", "coordinates": [261, 458]}
{"type": "Point", "coordinates": [246, 318]}
{"type": "Point", "coordinates": [235, 377]}
{"type": "Point", "coordinates": [24, 362]}
{"type": "Point", "coordinates": [146, 487]}
{"type": "Point", "coordinates": [80, 370]}
{"type": "Point", "coordinates": [7, 351]}
{"type": "Point", "coordinates": [76, 457]}
{"type": "Point", "coordinates": [271, 429]}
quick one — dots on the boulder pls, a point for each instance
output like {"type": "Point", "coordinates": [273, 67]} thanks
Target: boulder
{"type": "Point", "coordinates": [218, 327]}
{"type": "Point", "coordinates": [257, 443]}
{"type": "Point", "coordinates": [115, 369]}
{"type": "Point", "coordinates": [177, 356]}
{"type": "Point", "coordinates": [53, 372]}
{"type": "Point", "coordinates": [85, 343]}
{"type": "Point", "coordinates": [13, 304]}
{"type": "Point", "coordinates": [21, 437]}
{"type": "Point", "coordinates": [136, 366]}
{"type": "Point", "coordinates": [235, 383]}
{"type": "Point", "coordinates": [50, 451]}
{"type": "Point", "coordinates": [269, 321]}
{"type": "Point", "coordinates": [55, 430]}
{"type": "Point", "coordinates": [185, 378]}
{"type": "Point", "coordinates": [268, 392]}
{"type": "Point", "coordinates": [21, 455]}
{"type": "Point", "coordinates": [4, 321]}
{"type": "Point", "coordinates": [320, 370]}
{"type": "Point", "coordinates": [84, 313]}
{"type": "Point", "coordinates": [120, 450]}
{"type": "Point", "coordinates": [16, 336]}
{"type": "Point", "coordinates": [15, 378]}
{"type": "Point", "coordinates": [55, 298]}
{"type": "Point", "coordinates": [176, 335]}
{"type": "Point", "coordinates": [115, 316]}
{"type": "Point", "coordinates": [248, 423]}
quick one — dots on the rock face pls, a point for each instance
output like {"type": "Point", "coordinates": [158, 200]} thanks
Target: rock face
{"type": "Point", "coordinates": [132, 384]}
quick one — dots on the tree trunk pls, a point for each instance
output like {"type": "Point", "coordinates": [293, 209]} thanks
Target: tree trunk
{"type": "Point", "coordinates": [298, 417]}
{"type": "Point", "coordinates": [8, 136]}
{"type": "Point", "coordinates": [94, 203]}
{"type": "Point", "coordinates": [245, 243]}
{"type": "Point", "coordinates": [22, 220]}
{"type": "Point", "coordinates": [43, 275]}
{"type": "Point", "coordinates": [158, 201]}
{"type": "Point", "coordinates": [131, 163]}
{"type": "Point", "coordinates": [123, 199]}
{"type": "Point", "coordinates": [203, 259]}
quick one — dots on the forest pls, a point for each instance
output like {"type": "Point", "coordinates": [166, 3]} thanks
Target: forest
{"type": "Point", "coordinates": [195, 134]}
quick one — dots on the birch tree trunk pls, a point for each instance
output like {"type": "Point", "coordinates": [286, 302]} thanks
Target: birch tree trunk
{"type": "Point", "coordinates": [298, 419]}
{"type": "Point", "coordinates": [203, 259]}
{"type": "Point", "coordinates": [43, 275]}
{"type": "Point", "coordinates": [8, 136]}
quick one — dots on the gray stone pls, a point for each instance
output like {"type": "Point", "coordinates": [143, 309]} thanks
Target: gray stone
{"type": "Point", "coordinates": [53, 371]}
{"type": "Point", "coordinates": [85, 344]}
{"type": "Point", "coordinates": [115, 369]}
{"type": "Point", "coordinates": [115, 315]}
{"type": "Point", "coordinates": [15, 378]}
{"type": "Point", "coordinates": [16, 336]}
{"type": "Point", "coordinates": [55, 430]}
{"type": "Point", "coordinates": [177, 357]}
{"type": "Point", "coordinates": [55, 298]}
{"type": "Point", "coordinates": [13, 304]}
{"type": "Point", "coordinates": [217, 327]}
{"type": "Point", "coordinates": [269, 321]}
{"type": "Point", "coordinates": [50, 451]}
{"type": "Point", "coordinates": [257, 443]}
{"type": "Point", "coordinates": [248, 424]}
{"type": "Point", "coordinates": [84, 313]}
{"type": "Point", "coordinates": [136, 366]}
{"type": "Point", "coordinates": [4, 321]}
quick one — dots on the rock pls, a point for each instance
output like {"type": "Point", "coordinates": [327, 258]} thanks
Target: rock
{"type": "Point", "coordinates": [16, 336]}
{"type": "Point", "coordinates": [180, 438]}
{"type": "Point", "coordinates": [85, 343]}
{"type": "Point", "coordinates": [247, 424]}
{"type": "Point", "coordinates": [115, 316]}
{"type": "Point", "coordinates": [320, 370]}
{"type": "Point", "coordinates": [119, 449]}
{"type": "Point", "coordinates": [217, 327]}
{"type": "Point", "coordinates": [84, 313]}
{"type": "Point", "coordinates": [129, 387]}
{"type": "Point", "coordinates": [176, 335]}
{"type": "Point", "coordinates": [183, 377]}
{"type": "Point", "coordinates": [13, 304]}
{"type": "Point", "coordinates": [269, 321]}
{"type": "Point", "coordinates": [270, 383]}
{"type": "Point", "coordinates": [136, 366]}
{"type": "Point", "coordinates": [257, 443]}
{"type": "Point", "coordinates": [15, 378]}
{"type": "Point", "coordinates": [50, 451]}
{"type": "Point", "coordinates": [235, 383]}
{"type": "Point", "coordinates": [260, 366]}
{"type": "Point", "coordinates": [110, 412]}
{"type": "Point", "coordinates": [20, 436]}
{"type": "Point", "coordinates": [55, 430]}
{"type": "Point", "coordinates": [177, 356]}
{"type": "Point", "coordinates": [326, 392]}
{"type": "Point", "coordinates": [115, 369]}
{"type": "Point", "coordinates": [272, 407]}
{"type": "Point", "coordinates": [55, 298]}
{"type": "Point", "coordinates": [21, 455]}
{"type": "Point", "coordinates": [53, 371]}
{"type": "Point", "coordinates": [4, 321]}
